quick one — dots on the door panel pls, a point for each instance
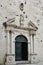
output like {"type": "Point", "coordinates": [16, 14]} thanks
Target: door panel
{"type": "Point", "coordinates": [18, 51]}
{"type": "Point", "coordinates": [24, 51]}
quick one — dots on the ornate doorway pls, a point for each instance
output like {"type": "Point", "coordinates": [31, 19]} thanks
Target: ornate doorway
{"type": "Point", "coordinates": [21, 48]}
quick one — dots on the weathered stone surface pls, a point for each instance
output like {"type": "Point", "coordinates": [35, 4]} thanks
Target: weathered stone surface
{"type": "Point", "coordinates": [9, 9]}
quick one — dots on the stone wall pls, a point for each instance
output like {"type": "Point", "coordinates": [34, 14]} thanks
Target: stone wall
{"type": "Point", "coordinates": [33, 10]}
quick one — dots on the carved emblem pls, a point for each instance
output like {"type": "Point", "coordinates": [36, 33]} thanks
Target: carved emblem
{"type": "Point", "coordinates": [21, 6]}
{"type": "Point", "coordinates": [10, 58]}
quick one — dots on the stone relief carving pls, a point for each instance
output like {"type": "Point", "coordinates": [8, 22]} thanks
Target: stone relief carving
{"type": "Point", "coordinates": [21, 17]}
{"type": "Point", "coordinates": [21, 6]}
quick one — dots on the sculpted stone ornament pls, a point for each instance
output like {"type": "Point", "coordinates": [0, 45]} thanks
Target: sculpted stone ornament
{"type": "Point", "coordinates": [21, 17]}
{"type": "Point", "coordinates": [10, 58]}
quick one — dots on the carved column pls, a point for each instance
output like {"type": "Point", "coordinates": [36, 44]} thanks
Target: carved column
{"type": "Point", "coordinates": [30, 50]}
{"type": "Point", "coordinates": [10, 32]}
{"type": "Point", "coordinates": [8, 43]}
{"type": "Point", "coordinates": [13, 47]}
{"type": "Point", "coordinates": [33, 42]}
{"type": "Point", "coordinates": [6, 35]}
{"type": "Point", "coordinates": [31, 46]}
{"type": "Point", "coordinates": [13, 44]}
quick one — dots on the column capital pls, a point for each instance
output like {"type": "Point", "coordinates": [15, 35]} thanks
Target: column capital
{"type": "Point", "coordinates": [10, 31]}
{"type": "Point", "coordinates": [32, 32]}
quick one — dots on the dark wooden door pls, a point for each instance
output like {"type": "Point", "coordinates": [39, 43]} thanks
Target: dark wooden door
{"type": "Point", "coordinates": [24, 51]}
{"type": "Point", "coordinates": [21, 49]}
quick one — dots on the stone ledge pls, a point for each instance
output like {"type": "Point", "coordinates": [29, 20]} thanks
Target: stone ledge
{"type": "Point", "coordinates": [10, 54]}
{"type": "Point", "coordinates": [33, 54]}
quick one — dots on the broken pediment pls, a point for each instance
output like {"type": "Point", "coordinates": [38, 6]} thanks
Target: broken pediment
{"type": "Point", "coordinates": [32, 25]}
{"type": "Point", "coordinates": [11, 23]}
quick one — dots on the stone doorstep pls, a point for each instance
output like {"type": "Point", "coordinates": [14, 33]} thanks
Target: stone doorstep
{"type": "Point", "coordinates": [25, 63]}
{"type": "Point", "coordinates": [22, 63]}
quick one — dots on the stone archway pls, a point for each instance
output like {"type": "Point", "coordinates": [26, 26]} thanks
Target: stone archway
{"type": "Point", "coordinates": [21, 48]}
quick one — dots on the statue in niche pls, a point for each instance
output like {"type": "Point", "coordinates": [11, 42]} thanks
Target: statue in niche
{"type": "Point", "coordinates": [21, 19]}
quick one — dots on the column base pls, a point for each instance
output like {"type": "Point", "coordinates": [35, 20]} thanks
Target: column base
{"type": "Point", "coordinates": [10, 59]}
{"type": "Point", "coordinates": [34, 58]}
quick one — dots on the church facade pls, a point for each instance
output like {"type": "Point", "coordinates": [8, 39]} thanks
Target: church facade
{"type": "Point", "coordinates": [21, 32]}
